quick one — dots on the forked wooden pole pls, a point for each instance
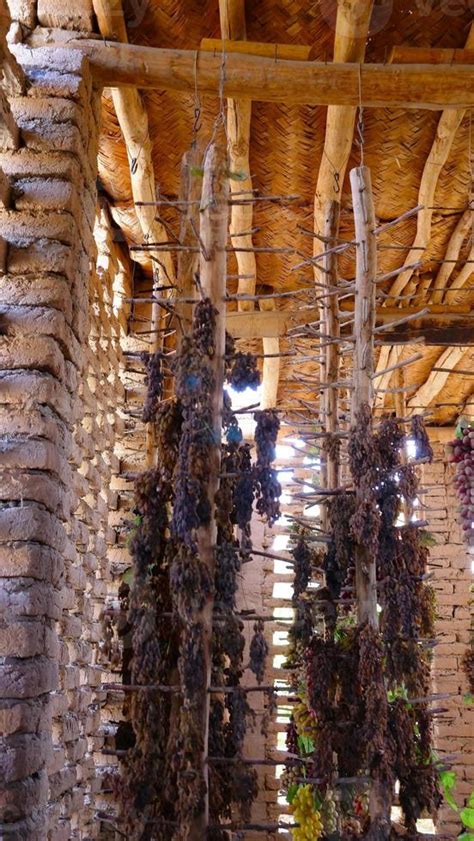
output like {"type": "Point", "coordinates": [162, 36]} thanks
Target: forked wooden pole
{"type": "Point", "coordinates": [330, 313]}
{"type": "Point", "coordinates": [366, 271]}
{"type": "Point", "coordinates": [366, 580]}
{"type": "Point", "coordinates": [212, 268]}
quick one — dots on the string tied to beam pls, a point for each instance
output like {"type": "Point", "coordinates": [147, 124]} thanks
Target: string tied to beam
{"type": "Point", "coordinates": [197, 101]}
{"type": "Point", "coordinates": [360, 120]}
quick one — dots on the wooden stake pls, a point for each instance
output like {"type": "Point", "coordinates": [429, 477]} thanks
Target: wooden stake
{"type": "Point", "coordinates": [330, 317]}
{"type": "Point", "coordinates": [366, 576]}
{"type": "Point", "coordinates": [366, 270]}
{"type": "Point", "coordinates": [212, 265]}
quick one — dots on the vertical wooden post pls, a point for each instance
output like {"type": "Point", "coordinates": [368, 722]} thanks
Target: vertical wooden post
{"type": "Point", "coordinates": [212, 267]}
{"type": "Point", "coordinates": [188, 261]}
{"type": "Point", "coordinates": [366, 269]}
{"type": "Point", "coordinates": [330, 320]}
{"type": "Point", "coordinates": [366, 574]}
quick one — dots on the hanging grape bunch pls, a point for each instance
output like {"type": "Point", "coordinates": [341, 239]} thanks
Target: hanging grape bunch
{"type": "Point", "coordinates": [154, 383]}
{"type": "Point", "coordinates": [424, 451]}
{"type": "Point", "coordinates": [244, 372]}
{"type": "Point", "coordinates": [462, 455]}
{"type": "Point", "coordinates": [258, 651]}
{"type": "Point", "coordinates": [306, 815]}
{"type": "Point", "coordinates": [268, 488]}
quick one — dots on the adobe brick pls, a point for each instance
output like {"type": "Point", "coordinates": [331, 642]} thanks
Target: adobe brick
{"type": "Point", "coordinates": [35, 454]}
{"type": "Point", "coordinates": [38, 487]}
{"type": "Point", "coordinates": [27, 163]}
{"type": "Point", "coordinates": [20, 798]}
{"type": "Point", "coordinates": [53, 13]}
{"type": "Point", "coordinates": [27, 678]}
{"type": "Point", "coordinates": [39, 422]}
{"type": "Point", "coordinates": [62, 781]}
{"type": "Point", "coordinates": [27, 716]}
{"type": "Point", "coordinates": [39, 256]}
{"type": "Point", "coordinates": [28, 597]}
{"type": "Point", "coordinates": [33, 828]}
{"type": "Point", "coordinates": [23, 11]}
{"type": "Point", "coordinates": [28, 639]}
{"type": "Point", "coordinates": [20, 387]}
{"type": "Point", "coordinates": [27, 352]}
{"type": "Point", "coordinates": [30, 523]}
{"type": "Point", "coordinates": [33, 321]}
{"type": "Point", "coordinates": [23, 754]}
{"type": "Point", "coordinates": [17, 226]}
{"type": "Point", "coordinates": [46, 194]}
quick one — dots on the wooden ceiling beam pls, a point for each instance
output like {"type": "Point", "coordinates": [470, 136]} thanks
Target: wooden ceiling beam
{"type": "Point", "coordinates": [133, 121]}
{"type": "Point", "coordinates": [290, 52]}
{"type": "Point", "coordinates": [402, 54]}
{"type": "Point", "coordinates": [437, 379]}
{"type": "Point", "coordinates": [443, 325]}
{"type": "Point", "coordinates": [452, 255]}
{"type": "Point", "coordinates": [432, 87]}
{"type": "Point", "coordinates": [239, 115]}
{"type": "Point", "coordinates": [448, 125]}
{"type": "Point", "coordinates": [462, 279]}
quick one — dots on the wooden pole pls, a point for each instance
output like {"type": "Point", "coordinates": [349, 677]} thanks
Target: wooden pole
{"type": "Point", "coordinates": [427, 86]}
{"type": "Point", "coordinates": [366, 574]}
{"type": "Point", "coordinates": [212, 267]}
{"type": "Point", "coordinates": [366, 272]}
{"type": "Point", "coordinates": [188, 261]}
{"type": "Point", "coordinates": [329, 314]}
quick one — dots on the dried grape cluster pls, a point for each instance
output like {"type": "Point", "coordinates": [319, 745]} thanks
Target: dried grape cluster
{"type": "Point", "coordinates": [154, 383]}
{"type": "Point", "coordinates": [163, 783]}
{"type": "Point", "coordinates": [258, 651]}
{"type": "Point", "coordinates": [352, 681]}
{"type": "Point", "coordinates": [462, 455]}
{"type": "Point", "coordinates": [244, 373]}
{"type": "Point", "coordinates": [423, 448]}
{"type": "Point", "coordinates": [268, 488]}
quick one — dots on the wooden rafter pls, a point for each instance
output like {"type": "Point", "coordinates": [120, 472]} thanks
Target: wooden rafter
{"type": "Point", "coordinates": [133, 121]}
{"type": "Point", "coordinates": [448, 125]}
{"type": "Point", "coordinates": [239, 113]}
{"type": "Point", "coordinates": [437, 379]}
{"type": "Point", "coordinates": [462, 279]}
{"type": "Point", "coordinates": [452, 254]}
{"type": "Point", "coordinates": [425, 86]}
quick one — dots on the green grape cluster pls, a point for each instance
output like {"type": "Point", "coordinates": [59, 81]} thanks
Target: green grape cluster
{"type": "Point", "coordinates": [306, 816]}
{"type": "Point", "coordinates": [329, 813]}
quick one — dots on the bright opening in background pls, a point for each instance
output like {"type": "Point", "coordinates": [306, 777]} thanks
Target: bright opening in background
{"type": "Point", "coordinates": [242, 399]}
{"type": "Point", "coordinates": [410, 447]}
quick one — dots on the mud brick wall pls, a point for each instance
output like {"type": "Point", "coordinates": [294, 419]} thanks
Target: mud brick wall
{"type": "Point", "coordinates": [59, 389]}
{"type": "Point", "coordinates": [451, 565]}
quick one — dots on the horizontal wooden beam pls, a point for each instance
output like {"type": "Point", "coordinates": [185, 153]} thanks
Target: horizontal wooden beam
{"type": "Point", "coordinates": [290, 52]}
{"type": "Point", "coordinates": [442, 325]}
{"type": "Point", "coordinates": [265, 324]}
{"type": "Point", "coordinates": [430, 55]}
{"type": "Point", "coordinates": [434, 87]}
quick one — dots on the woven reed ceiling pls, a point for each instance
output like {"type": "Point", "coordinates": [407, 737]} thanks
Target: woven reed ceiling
{"type": "Point", "coordinates": [287, 143]}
